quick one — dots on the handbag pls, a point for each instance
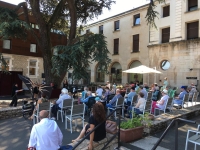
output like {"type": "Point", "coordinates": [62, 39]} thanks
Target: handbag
{"type": "Point", "coordinates": [111, 127]}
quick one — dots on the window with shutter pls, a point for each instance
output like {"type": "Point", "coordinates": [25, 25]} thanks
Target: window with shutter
{"type": "Point", "coordinates": [192, 5]}
{"type": "Point", "coordinates": [116, 46]}
{"type": "Point", "coordinates": [136, 43]}
{"type": "Point", "coordinates": [192, 30]}
{"type": "Point", "coordinates": [101, 29]}
{"type": "Point", "coordinates": [165, 35]}
{"type": "Point", "coordinates": [116, 25]}
{"type": "Point", "coordinates": [166, 11]}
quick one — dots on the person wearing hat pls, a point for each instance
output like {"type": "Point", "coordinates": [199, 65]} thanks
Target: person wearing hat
{"type": "Point", "coordinates": [130, 96]}
{"type": "Point", "coordinates": [178, 100]}
{"type": "Point", "coordinates": [59, 103]}
{"type": "Point", "coordinates": [161, 103]}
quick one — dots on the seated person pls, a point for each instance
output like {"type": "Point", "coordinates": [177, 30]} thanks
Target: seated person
{"type": "Point", "coordinates": [41, 100]}
{"type": "Point", "coordinates": [99, 91]}
{"type": "Point", "coordinates": [105, 94]}
{"type": "Point", "coordinates": [146, 87]}
{"type": "Point", "coordinates": [138, 109]}
{"type": "Point", "coordinates": [89, 94]}
{"type": "Point", "coordinates": [178, 100]}
{"type": "Point", "coordinates": [191, 90]}
{"type": "Point", "coordinates": [155, 93]}
{"type": "Point", "coordinates": [161, 103]}
{"type": "Point", "coordinates": [114, 99]}
{"type": "Point", "coordinates": [84, 94]}
{"type": "Point", "coordinates": [59, 103]}
{"type": "Point", "coordinates": [130, 96]}
{"type": "Point", "coordinates": [143, 91]}
{"type": "Point", "coordinates": [46, 134]}
{"type": "Point", "coordinates": [98, 116]}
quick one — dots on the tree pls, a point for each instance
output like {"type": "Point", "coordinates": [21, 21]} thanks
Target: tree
{"type": "Point", "coordinates": [63, 15]}
{"type": "Point", "coordinates": [151, 13]}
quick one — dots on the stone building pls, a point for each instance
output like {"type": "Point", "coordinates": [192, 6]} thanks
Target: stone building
{"type": "Point", "coordinates": [172, 48]}
{"type": "Point", "coordinates": [127, 40]}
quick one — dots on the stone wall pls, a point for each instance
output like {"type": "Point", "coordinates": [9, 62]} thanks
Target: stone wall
{"type": "Point", "coordinates": [10, 112]}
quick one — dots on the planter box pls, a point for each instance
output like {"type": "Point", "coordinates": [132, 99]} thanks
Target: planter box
{"type": "Point", "coordinates": [129, 135]}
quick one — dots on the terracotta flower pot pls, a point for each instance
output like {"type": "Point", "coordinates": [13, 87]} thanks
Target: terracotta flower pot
{"type": "Point", "coordinates": [129, 135]}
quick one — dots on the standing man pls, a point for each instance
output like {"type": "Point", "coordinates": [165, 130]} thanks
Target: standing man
{"type": "Point", "coordinates": [59, 103]}
{"type": "Point", "coordinates": [14, 95]}
{"type": "Point", "coordinates": [46, 134]}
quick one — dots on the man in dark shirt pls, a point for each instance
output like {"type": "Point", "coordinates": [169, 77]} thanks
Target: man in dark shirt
{"type": "Point", "coordinates": [14, 95]}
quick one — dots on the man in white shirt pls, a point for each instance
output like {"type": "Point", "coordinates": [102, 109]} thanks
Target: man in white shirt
{"type": "Point", "coordinates": [59, 103]}
{"type": "Point", "coordinates": [46, 134]}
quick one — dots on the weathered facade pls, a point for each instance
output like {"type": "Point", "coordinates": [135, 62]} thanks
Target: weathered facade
{"type": "Point", "coordinates": [172, 48]}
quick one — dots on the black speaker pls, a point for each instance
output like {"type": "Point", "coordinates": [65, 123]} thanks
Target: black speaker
{"type": "Point", "coordinates": [43, 75]}
{"type": "Point", "coordinates": [112, 70]}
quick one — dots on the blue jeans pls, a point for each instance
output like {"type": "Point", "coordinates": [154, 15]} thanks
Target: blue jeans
{"type": "Point", "coordinates": [179, 102]}
{"type": "Point", "coordinates": [136, 111]}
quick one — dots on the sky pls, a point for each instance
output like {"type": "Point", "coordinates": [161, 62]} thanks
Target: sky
{"type": "Point", "coordinates": [119, 7]}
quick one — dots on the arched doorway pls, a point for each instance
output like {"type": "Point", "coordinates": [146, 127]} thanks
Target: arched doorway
{"type": "Point", "coordinates": [133, 77]}
{"type": "Point", "coordinates": [100, 75]}
{"type": "Point", "coordinates": [116, 73]}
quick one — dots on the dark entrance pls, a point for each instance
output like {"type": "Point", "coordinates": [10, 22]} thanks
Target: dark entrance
{"type": "Point", "coordinates": [7, 81]}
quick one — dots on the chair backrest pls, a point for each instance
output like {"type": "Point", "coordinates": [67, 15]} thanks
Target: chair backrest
{"type": "Point", "coordinates": [144, 108]}
{"type": "Point", "coordinates": [120, 101]}
{"type": "Point", "coordinates": [170, 101]}
{"type": "Point", "coordinates": [110, 96]}
{"type": "Point", "coordinates": [195, 96]}
{"type": "Point", "coordinates": [149, 95]}
{"type": "Point", "coordinates": [185, 98]}
{"type": "Point", "coordinates": [91, 102]}
{"type": "Point", "coordinates": [165, 105]}
{"type": "Point", "coordinates": [148, 105]}
{"type": "Point", "coordinates": [44, 106]}
{"type": "Point", "coordinates": [134, 99]}
{"type": "Point", "coordinates": [68, 102]}
{"type": "Point", "coordinates": [78, 109]}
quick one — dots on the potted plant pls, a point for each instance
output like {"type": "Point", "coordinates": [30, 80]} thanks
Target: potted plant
{"type": "Point", "coordinates": [132, 129]}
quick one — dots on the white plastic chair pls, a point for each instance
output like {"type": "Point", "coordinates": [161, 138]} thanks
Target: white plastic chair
{"type": "Point", "coordinates": [143, 112]}
{"type": "Point", "coordinates": [164, 109]}
{"type": "Point", "coordinates": [42, 106]}
{"type": "Point", "coordinates": [77, 111]}
{"type": "Point", "coordinates": [67, 103]}
{"type": "Point", "coordinates": [194, 138]}
{"type": "Point", "coordinates": [170, 104]}
{"type": "Point", "coordinates": [194, 97]}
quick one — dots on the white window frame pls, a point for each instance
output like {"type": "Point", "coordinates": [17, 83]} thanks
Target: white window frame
{"type": "Point", "coordinates": [36, 67]}
{"type": "Point", "coordinates": [6, 44]}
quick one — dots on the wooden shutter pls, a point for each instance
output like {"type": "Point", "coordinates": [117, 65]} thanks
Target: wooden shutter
{"type": "Point", "coordinates": [165, 35]}
{"type": "Point", "coordinates": [166, 11]}
{"type": "Point", "coordinates": [192, 3]}
{"type": "Point", "coordinates": [116, 46]}
{"type": "Point", "coordinates": [136, 43]}
{"type": "Point", "coordinates": [192, 30]}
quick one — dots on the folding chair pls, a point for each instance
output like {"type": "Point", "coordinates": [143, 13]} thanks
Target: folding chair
{"type": "Point", "coordinates": [148, 106]}
{"type": "Point", "coordinates": [77, 111]}
{"type": "Point", "coordinates": [42, 106]}
{"type": "Point", "coordinates": [195, 138]}
{"type": "Point", "coordinates": [143, 112]}
{"type": "Point", "coordinates": [194, 97]}
{"type": "Point", "coordinates": [90, 103]}
{"type": "Point", "coordinates": [119, 103]}
{"type": "Point", "coordinates": [134, 100]}
{"type": "Point", "coordinates": [170, 104]}
{"type": "Point", "coordinates": [164, 109]}
{"type": "Point", "coordinates": [67, 103]}
{"type": "Point", "coordinates": [149, 96]}
{"type": "Point", "coordinates": [185, 99]}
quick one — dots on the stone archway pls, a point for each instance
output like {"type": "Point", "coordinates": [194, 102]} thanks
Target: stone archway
{"type": "Point", "coordinates": [133, 77]}
{"type": "Point", "coordinates": [116, 73]}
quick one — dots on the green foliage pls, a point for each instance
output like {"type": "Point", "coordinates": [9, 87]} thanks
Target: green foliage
{"type": "Point", "coordinates": [3, 64]}
{"type": "Point", "coordinates": [87, 48]}
{"type": "Point", "coordinates": [136, 121]}
{"type": "Point", "coordinates": [151, 13]}
{"type": "Point", "coordinates": [11, 26]}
